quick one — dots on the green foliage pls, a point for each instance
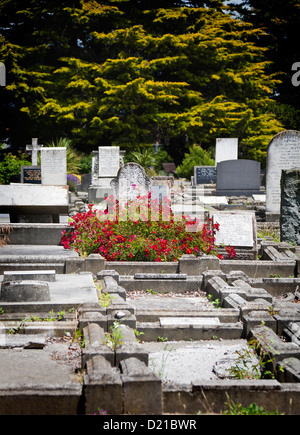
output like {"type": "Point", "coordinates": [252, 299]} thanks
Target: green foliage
{"type": "Point", "coordinates": [11, 166]}
{"type": "Point", "coordinates": [196, 157]}
{"type": "Point", "coordinates": [121, 73]}
{"type": "Point", "coordinates": [143, 157]}
{"type": "Point", "coordinates": [252, 409]}
{"type": "Point", "coordinates": [247, 367]}
{"type": "Point", "coordinates": [85, 163]}
{"type": "Point", "coordinates": [287, 114]}
{"type": "Point", "coordinates": [105, 299]}
{"type": "Point", "coordinates": [114, 337]}
{"type": "Point", "coordinates": [162, 156]}
{"type": "Point", "coordinates": [280, 24]}
{"type": "Point", "coordinates": [147, 158]}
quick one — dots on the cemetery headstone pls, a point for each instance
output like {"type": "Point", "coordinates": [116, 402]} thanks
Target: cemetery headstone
{"type": "Point", "coordinates": [130, 182]}
{"type": "Point", "coordinates": [290, 206]}
{"type": "Point", "coordinates": [31, 175]}
{"type": "Point", "coordinates": [106, 162]}
{"type": "Point", "coordinates": [109, 161]}
{"type": "Point", "coordinates": [283, 153]}
{"type": "Point", "coordinates": [238, 177]}
{"type": "Point", "coordinates": [189, 322]}
{"type": "Point", "coordinates": [205, 174]}
{"type": "Point", "coordinates": [163, 179]}
{"type": "Point", "coordinates": [237, 230]}
{"type": "Point", "coordinates": [4, 218]}
{"type": "Point", "coordinates": [226, 149]}
{"type": "Point", "coordinates": [85, 182]}
{"type": "Point", "coordinates": [54, 166]}
{"type": "Point", "coordinates": [122, 155]}
{"type": "Point", "coordinates": [2, 74]}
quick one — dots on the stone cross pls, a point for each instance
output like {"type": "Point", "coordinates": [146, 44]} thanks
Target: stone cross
{"type": "Point", "coordinates": [34, 148]}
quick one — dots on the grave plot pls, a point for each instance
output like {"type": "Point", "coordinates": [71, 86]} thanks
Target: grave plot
{"type": "Point", "coordinates": [172, 321]}
{"type": "Point", "coordinates": [122, 363]}
{"type": "Point", "coordinates": [40, 354]}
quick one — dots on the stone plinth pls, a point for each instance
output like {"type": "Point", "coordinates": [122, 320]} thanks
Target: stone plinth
{"type": "Point", "coordinates": [34, 202]}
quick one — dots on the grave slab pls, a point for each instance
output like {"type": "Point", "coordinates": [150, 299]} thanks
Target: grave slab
{"type": "Point", "coordinates": [160, 276]}
{"type": "Point", "coordinates": [24, 291]}
{"type": "Point", "coordinates": [41, 387]}
{"type": "Point", "coordinates": [213, 200]}
{"type": "Point", "coordinates": [40, 275]}
{"type": "Point", "coordinates": [67, 291]}
{"type": "Point", "coordinates": [204, 322]}
{"type": "Point", "coordinates": [24, 341]}
{"type": "Point", "coordinates": [259, 197]}
{"type": "Point", "coordinates": [34, 200]}
{"type": "Point", "coordinates": [235, 229]}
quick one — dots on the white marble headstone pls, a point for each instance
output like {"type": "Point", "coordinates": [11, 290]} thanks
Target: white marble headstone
{"type": "Point", "coordinates": [283, 153]}
{"type": "Point", "coordinates": [235, 229]}
{"type": "Point", "coordinates": [226, 149]}
{"type": "Point", "coordinates": [54, 166]}
{"type": "Point", "coordinates": [109, 161]}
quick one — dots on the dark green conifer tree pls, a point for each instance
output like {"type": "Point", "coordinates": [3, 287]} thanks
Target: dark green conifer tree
{"type": "Point", "coordinates": [120, 73]}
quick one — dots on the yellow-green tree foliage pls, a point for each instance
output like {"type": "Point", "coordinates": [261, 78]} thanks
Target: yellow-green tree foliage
{"type": "Point", "coordinates": [115, 73]}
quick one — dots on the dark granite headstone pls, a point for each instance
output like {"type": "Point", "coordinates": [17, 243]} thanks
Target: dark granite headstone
{"type": "Point", "coordinates": [238, 177]}
{"type": "Point", "coordinates": [31, 174]}
{"type": "Point", "coordinates": [290, 206]}
{"type": "Point", "coordinates": [85, 183]}
{"type": "Point", "coordinates": [205, 174]}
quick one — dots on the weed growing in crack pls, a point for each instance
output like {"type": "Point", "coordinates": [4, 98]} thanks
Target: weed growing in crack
{"type": "Point", "coordinates": [114, 337]}
{"type": "Point", "coordinates": [165, 355]}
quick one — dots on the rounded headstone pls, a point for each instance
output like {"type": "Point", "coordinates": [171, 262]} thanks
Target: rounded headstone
{"type": "Point", "coordinates": [283, 153]}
